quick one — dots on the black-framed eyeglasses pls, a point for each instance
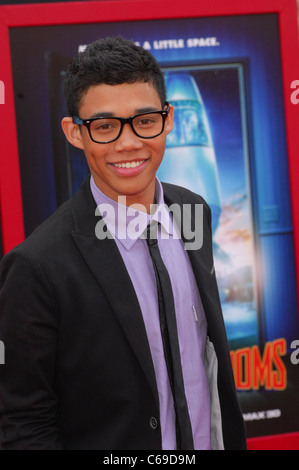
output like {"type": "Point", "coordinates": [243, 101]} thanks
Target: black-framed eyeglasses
{"type": "Point", "coordinates": [104, 130]}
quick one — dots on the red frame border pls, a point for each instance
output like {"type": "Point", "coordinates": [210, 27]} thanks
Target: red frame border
{"type": "Point", "coordinates": [11, 209]}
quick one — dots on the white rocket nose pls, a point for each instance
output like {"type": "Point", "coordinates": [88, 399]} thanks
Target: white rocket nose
{"type": "Point", "coordinates": [189, 159]}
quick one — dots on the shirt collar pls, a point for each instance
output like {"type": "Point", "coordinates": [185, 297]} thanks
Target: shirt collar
{"type": "Point", "coordinates": [127, 224]}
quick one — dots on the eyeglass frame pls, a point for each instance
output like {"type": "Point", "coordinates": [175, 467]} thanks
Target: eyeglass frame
{"type": "Point", "coordinates": [86, 122]}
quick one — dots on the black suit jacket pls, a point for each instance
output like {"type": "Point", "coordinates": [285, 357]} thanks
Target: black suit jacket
{"type": "Point", "coordinates": [78, 371]}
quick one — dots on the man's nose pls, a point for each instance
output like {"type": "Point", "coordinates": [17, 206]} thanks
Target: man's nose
{"type": "Point", "coordinates": [128, 139]}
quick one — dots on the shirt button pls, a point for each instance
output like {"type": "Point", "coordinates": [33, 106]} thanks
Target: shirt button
{"type": "Point", "coordinates": [153, 423]}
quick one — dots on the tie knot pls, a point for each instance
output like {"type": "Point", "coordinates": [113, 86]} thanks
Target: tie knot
{"type": "Point", "coordinates": [152, 233]}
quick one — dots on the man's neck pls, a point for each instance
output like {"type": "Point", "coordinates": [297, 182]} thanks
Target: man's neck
{"type": "Point", "coordinates": [142, 201]}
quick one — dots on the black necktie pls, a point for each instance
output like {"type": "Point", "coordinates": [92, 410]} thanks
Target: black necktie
{"type": "Point", "coordinates": [170, 342]}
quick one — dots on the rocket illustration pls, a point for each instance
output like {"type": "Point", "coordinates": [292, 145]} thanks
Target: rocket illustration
{"type": "Point", "coordinates": [189, 158]}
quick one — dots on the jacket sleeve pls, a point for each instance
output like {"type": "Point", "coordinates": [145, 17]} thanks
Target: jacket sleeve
{"type": "Point", "coordinates": [28, 329]}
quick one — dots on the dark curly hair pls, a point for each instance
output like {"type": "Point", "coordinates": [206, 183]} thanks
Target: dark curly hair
{"type": "Point", "coordinates": [112, 61]}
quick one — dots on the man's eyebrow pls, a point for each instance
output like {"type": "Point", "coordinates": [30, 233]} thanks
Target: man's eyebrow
{"type": "Point", "coordinates": [149, 109]}
{"type": "Point", "coordinates": [106, 114]}
{"type": "Point", "coordinates": [102, 114]}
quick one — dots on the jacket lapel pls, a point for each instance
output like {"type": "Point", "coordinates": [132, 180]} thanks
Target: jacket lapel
{"type": "Point", "coordinates": [106, 264]}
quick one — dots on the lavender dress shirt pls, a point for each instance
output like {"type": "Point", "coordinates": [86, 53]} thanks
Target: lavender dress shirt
{"type": "Point", "coordinates": [126, 226]}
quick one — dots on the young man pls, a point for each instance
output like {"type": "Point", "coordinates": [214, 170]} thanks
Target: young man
{"type": "Point", "coordinates": [89, 358]}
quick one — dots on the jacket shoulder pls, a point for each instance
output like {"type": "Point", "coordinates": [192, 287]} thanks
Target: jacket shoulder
{"type": "Point", "coordinates": [173, 191]}
{"type": "Point", "coordinates": [181, 195]}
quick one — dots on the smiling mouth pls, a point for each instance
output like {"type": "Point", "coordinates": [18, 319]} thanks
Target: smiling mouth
{"type": "Point", "coordinates": [132, 164]}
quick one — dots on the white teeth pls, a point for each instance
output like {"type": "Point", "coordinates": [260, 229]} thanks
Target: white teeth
{"type": "Point", "coordinates": [128, 164]}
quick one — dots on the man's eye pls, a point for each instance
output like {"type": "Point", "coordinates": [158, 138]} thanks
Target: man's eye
{"type": "Point", "coordinates": [104, 126]}
{"type": "Point", "coordinates": [146, 122]}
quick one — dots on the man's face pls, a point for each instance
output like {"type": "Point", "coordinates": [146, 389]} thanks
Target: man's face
{"type": "Point", "coordinates": [137, 182]}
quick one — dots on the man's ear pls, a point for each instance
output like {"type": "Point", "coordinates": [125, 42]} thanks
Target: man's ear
{"type": "Point", "coordinates": [72, 132]}
{"type": "Point", "coordinates": [169, 120]}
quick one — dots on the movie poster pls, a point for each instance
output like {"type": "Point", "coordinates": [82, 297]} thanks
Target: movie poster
{"type": "Point", "coordinates": [223, 77]}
